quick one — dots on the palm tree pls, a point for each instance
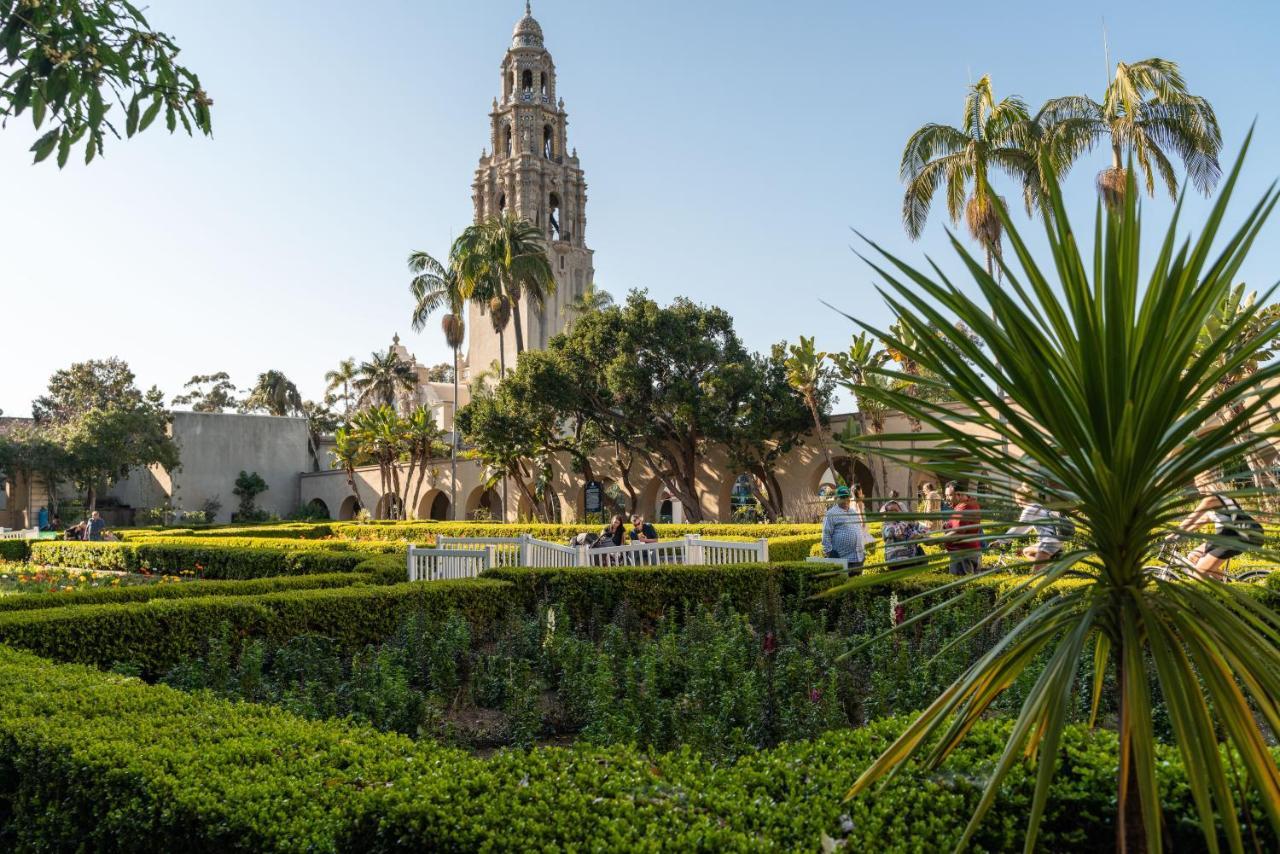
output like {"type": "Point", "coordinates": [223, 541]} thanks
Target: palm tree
{"type": "Point", "coordinates": [341, 378]}
{"type": "Point", "coordinates": [1099, 396]}
{"type": "Point", "coordinates": [380, 379]}
{"type": "Point", "coordinates": [807, 372]}
{"type": "Point", "coordinates": [275, 393]}
{"type": "Point", "coordinates": [993, 135]}
{"type": "Point", "coordinates": [591, 299]}
{"type": "Point", "coordinates": [436, 286]}
{"type": "Point", "coordinates": [505, 256]}
{"type": "Point", "coordinates": [1146, 114]}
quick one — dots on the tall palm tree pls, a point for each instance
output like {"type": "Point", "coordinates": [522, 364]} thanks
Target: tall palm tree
{"type": "Point", "coordinates": [505, 256]}
{"type": "Point", "coordinates": [275, 393]}
{"type": "Point", "coordinates": [380, 379]}
{"type": "Point", "coordinates": [994, 135]}
{"type": "Point", "coordinates": [806, 372]}
{"type": "Point", "coordinates": [1090, 377]}
{"type": "Point", "coordinates": [591, 299]}
{"type": "Point", "coordinates": [341, 378]}
{"type": "Point", "coordinates": [1147, 114]}
{"type": "Point", "coordinates": [435, 286]}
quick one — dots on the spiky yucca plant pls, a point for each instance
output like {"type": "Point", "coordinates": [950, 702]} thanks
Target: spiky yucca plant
{"type": "Point", "coordinates": [1098, 384]}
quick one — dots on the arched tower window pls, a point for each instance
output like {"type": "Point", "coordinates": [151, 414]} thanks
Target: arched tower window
{"type": "Point", "coordinates": [526, 80]}
{"type": "Point", "coordinates": [502, 202]}
{"type": "Point", "coordinates": [548, 142]}
{"type": "Point", "coordinates": [506, 139]}
{"type": "Point", "coordinates": [553, 217]}
{"type": "Point", "coordinates": [508, 83]}
{"type": "Point", "coordinates": [542, 82]}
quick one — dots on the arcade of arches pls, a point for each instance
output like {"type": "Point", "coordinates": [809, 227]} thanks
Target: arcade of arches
{"type": "Point", "coordinates": [804, 477]}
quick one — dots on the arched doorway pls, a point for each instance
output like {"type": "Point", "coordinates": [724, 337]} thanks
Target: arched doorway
{"type": "Point", "coordinates": [389, 507]}
{"type": "Point", "coordinates": [484, 504]}
{"type": "Point", "coordinates": [318, 509]}
{"type": "Point", "coordinates": [350, 509]}
{"type": "Point", "coordinates": [434, 505]}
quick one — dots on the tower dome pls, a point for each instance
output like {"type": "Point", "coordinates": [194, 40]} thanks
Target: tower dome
{"type": "Point", "coordinates": [528, 32]}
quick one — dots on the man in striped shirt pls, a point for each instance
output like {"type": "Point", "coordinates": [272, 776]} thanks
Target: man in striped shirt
{"type": "Point", "coordinates": [842, 534]}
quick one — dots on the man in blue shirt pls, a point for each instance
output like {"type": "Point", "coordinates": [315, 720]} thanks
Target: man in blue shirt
{"type": "Point", "coordinates": [842, 534]}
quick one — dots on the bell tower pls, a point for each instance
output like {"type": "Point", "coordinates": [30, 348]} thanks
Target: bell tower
{"type": "Point", "coordinates": [530, 170]}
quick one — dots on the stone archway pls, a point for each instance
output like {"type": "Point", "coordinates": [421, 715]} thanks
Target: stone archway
{"type": "Point", "coordinates": [389, 507]}
{"type": "Point", "coordinates": [434, 506]}
{"type": "Point", "coordinates": [319, 508]}
{"type": "Point", "coordinates": [486, 502]}
{"type": "Point", "coordinates": [349, 509]}
{"type": "Point", "coordinates": [851, 471]}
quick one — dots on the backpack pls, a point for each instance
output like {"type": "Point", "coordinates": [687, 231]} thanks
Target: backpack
{"type": "Point", "coordinates": [1066, 527]}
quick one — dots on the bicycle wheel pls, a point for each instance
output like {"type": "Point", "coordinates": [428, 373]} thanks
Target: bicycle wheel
{"type": "Point", "coordinates": [1252, 576]}
{"type": "Point", "coordinates": [1164, 573]}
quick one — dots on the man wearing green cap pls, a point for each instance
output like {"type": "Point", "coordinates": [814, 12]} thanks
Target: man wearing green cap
{"type": "Point", "coordinates": [842, 535]}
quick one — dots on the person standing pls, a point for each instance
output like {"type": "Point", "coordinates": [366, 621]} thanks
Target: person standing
{"type": "Point", "coordinates": [963, 529]}
{"type": "Point", "coordinates": [931, 506]}
{"type": "Point", "coordinates": [94, 527]}
{"type": "Point", "coordinates": [842, 534]}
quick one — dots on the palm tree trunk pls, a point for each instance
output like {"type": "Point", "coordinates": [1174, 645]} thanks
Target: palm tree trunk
{"type": "Point", "coordinates": [453, 451]}
{"type": "Point", "coordinates": [515, 318]}
{"type": "Point", "coordinates": [1131, 831]}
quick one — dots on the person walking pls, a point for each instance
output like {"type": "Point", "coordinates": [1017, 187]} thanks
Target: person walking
{"type": "Point", "coordinates": [1234, 529]}
{"type": "Point", "coordinates": [963, 529]}
{"type": "Point", "coordinates": [842, 532]}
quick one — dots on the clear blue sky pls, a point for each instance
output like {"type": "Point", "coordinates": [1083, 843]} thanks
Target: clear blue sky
{"type": "Point", "coordinates": [729, 148]}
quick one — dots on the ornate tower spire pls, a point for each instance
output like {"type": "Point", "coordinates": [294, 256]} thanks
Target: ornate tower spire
{"type": "Point", "coordinates": [532, 175]}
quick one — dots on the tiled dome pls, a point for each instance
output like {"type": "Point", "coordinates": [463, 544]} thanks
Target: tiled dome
{"type": "Point", "coordinates": [528, 32]}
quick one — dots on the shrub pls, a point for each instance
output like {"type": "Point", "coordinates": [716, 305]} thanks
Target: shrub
{"type": "Point", "coordinates": [185, 590]}
{"type": "Point", "coordinates": [793, 548]}
{"type": "Point", "coordinates": [15, 550]}
{"type": "Point", "coordinates": [211, 561]}
{"type": "Point", "coordinates": [156, 634]}
{"type": "Point", "coordinates": [197, 773]}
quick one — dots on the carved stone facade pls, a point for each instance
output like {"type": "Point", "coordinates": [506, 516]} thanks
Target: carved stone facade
{"type": "Point", "coordinates": [530, 169]}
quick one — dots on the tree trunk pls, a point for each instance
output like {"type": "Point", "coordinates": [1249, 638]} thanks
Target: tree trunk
{"type": "Point", "coordinates": [91, 499]}
{"type": "Point", "coordinates": [624, 474]}
{"type": "Point", "coordinates": [822, 439]}
{"type": "Point", "coordinates": [1131, 831]}
{"type": "Point", "coordinates": [453, 451]}
{"type": "Point", "coordinates": [515, 318]}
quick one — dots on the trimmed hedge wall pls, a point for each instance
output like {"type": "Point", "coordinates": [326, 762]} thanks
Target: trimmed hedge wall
{"type": "Point", "coordinates": [185, 590]}
{"type": "Point", "coordinates": [193, 773]}
{"type": "Point", "coordinates": [16, 550]}
{"type": "Point", "coordinates": [208, 561]}
{"type": "Point", "coordinates": [156, 634]}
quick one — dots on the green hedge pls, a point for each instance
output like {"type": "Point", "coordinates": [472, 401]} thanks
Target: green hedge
{"type": "Point", "coordinates": [793, 548]}
{"type": "Point", "coordinates": [189, 772]}
{"type": "Point", "coordinates": [156, 634]}
{"type": "Point", "coordinates": [212, 561]}
{"type": "Point", "coordinates": [15, 550]}
{"type": "Point", "coordinates": [185, 590]}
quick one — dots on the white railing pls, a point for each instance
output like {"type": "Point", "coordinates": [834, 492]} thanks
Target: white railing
{"type": "Point", "coordinates": [467, 557]}
{"type": "Point", "coordinates": [445, 564]}
{"type": "Point", "coordinates": [24, 534]}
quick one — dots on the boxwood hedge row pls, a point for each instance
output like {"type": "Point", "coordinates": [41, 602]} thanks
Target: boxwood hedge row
{"type": "Point", "coordinates": [186, 590]}
{"type": "Point", "coordinates": [156, 634]}
{"type": "Point", "coordinates": [212, 561]}
{"type": "Point", "coordinates": [189, 772]}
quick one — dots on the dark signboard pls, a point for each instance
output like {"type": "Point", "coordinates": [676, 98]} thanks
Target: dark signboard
{"type": "Point", "coordinates": [593, 497]}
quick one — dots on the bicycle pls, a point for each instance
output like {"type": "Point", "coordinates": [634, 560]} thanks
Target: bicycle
{"type": "Point", "coordinates": [1170, 565]}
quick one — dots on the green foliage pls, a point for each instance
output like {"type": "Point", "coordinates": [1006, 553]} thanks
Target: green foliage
{"type": "Point", "coordinates": [15, 550]}
{"type": "Point", "coordinates": [71, 61]}
{"type": "Point", "coordinates": [274, 394]}
{"type": "Point", "coordinates": [218, 397]}
{"type": "Point", "coordinates": [1092, 389]}
{"type": "Point", "coordinates": [184, 590]}
{"type": "Point", "coordinates": [199, 773]}
{"type": "Point", "coordinates": [793, 548]}
{"type": "Point", "coordinates": [156, 634]}
{"type": "Point", "coordinates": [212, 561]}
{"type": "Point", "coordinates": [248, 486]}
